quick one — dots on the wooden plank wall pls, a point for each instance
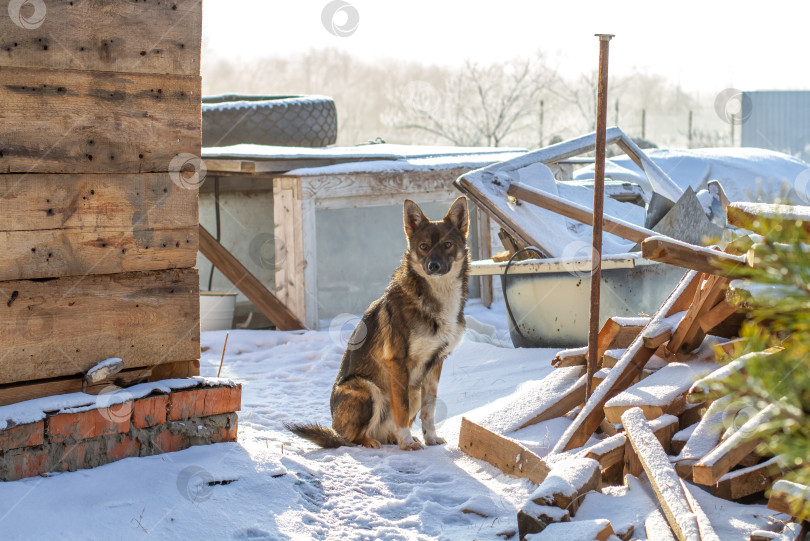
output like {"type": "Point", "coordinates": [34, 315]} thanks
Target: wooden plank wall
{"type": "Point", "coordinates": [100, 102]}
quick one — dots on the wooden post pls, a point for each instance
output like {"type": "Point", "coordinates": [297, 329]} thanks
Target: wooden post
{"type": "Point", "coordinates": [484, 252]}
{"type": "Point", "coordinates": [598, 208]}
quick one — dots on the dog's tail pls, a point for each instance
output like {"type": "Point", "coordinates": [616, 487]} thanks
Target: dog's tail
{"type": "Point", "coordinates": [319, 435]}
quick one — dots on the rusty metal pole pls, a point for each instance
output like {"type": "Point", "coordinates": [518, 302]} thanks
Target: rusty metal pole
{"type": "Point", "coordinates": [598, 208]}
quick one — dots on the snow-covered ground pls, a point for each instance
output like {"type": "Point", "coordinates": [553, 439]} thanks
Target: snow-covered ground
{"type": "Point", "coordinates": [276, 486]}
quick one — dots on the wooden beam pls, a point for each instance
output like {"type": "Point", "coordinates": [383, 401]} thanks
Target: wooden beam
{"type": "Point", "coordinates": [581, 213]}
{"type": "Point", "coordinates": [567, 483]}
{"type": "Point", "coordinates": [744, 482]}
{"type": "Point", "coordinates": [689, 256]}
{"type": "Point", "coordinates": [664, 481]}
{"type": "Point", "coordinates": [569, 399]}
{"type": "Point", "coordinates": [709, 469]}
{"type": "Point", "coordinates": [65, 326]}
{"type": "Point", "coordinates": [242, 279]}
{"type": "Point", "coordinates": [790, 498]}
{"type": "Point", "coordinates": [484, 252]}
{"type": "Point", "coordinates": [664, 428]}
{"type": "Point", "coordinates": [754, 216]}
{"type": "Point", "coordinates": [162, 37]}
{"type": "Point", "coordinates": [714, 317]}
{"type": "Point", "coordinates": [505, 454]}
{"type": "Point", "coordinates": [703, 439]}
{"type": "Point", "coordinates": [689, 335]}
{"type": "Point", "coordinates": [623, 374]}
{"type": "Point", "coordinates": [67, 121]}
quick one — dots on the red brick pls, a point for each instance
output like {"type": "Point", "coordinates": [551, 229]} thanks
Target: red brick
{"type": "Point", "coordinates": [126, 448]}
{"type": "Point", "coordinates": [167, 442]}
{"type": "Point", "coordinates": [90, 424]}
{"type": "Point", "coordinates": [23, 463]}
{"type": "Point", "coordinates": [149, 411]}
{"type": "Point", "coordinates": [27, 435]}
{"type": "Point", "coordinates": [204, 402]}
{"type": "Point", "coordinates": [224, 434]}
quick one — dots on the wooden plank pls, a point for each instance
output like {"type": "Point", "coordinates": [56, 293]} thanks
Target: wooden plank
{"type": "Point", "coordinates": [689, 335]}
{"type": "Point", "coordinates": [290, 261]}
{"type": "Point", "coordinates": [567, 483]}
{"type": "Point", "coordinates": [570, 357]}
{"type": "Point", "coordinates": [664, 481]}
{"type": "Point", "coordinates": [790, 498]}
{"type": "Point", "coordinates": [19, 392]}
{"type": "Point", "coordinates": [654, 341]}
{"type": "Point", "coordinates": [32, 202]}
{"type": "Point", "coordinates": [598, 529]}
{"type": "Point", "coordinates": [548, 201]}
{"type": "Point", "coordinates": [709, 469]}
{"type": "Point", "coordinates": [747, 215]}
{"type": "Point", "coordinates": [744, 482]}
{"type": "Point", "coordinates": [484, 252]}
{"type": "Point", "coordinates": [56, 253]}
{"type": "Point", "coordinates": [705, 528]}
{"type": "Point", "coordinates": [60, 327]}
{"type": "Point", "coordinates": [505, 454]}
{"type": "Point", "coordinates": [249, 285]}
{"type": "Point", "coordinates": [571, 398]}
{"type": "Point", "coordinates": [661, 393]}
{"type": "Point", "coordinates": [94, 122]}
{"type": "Point", "coordinates": [128, 37]}
{"type": "Point", "coordinates": [703, 439]}
{"type": "Point", "coordinates": [622, 376]}
{"type": "Point", "coordinates": [664, 428]}
{"type": "Point", "coordinates": [714, 317]}
{"type": "Point", "coordinates": [689, 256]}
{"type": "Point", "coordinates": [607, 452]}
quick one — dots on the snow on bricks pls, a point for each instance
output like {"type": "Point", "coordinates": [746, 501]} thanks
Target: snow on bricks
{"type": "Point", "coordinates": [86, 436]}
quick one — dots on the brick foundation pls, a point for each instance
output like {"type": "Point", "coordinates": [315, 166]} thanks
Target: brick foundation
{"type": "Point", "coordinates": [145, 426]}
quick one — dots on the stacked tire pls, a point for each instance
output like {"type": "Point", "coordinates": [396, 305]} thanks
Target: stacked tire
{"type": "Point", "coordinates": [301, 121]}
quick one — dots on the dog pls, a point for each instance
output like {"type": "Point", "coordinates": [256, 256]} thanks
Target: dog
{"type": "Point", "coordinates": [391, 368]}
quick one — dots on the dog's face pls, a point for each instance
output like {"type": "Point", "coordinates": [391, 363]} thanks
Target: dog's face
{"type": "Point", "coordinates": [435, 247]}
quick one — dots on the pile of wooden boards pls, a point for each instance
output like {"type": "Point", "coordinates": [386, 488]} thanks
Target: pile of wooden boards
{"type": "Point", "coordinates": [654, 412]}
{"type": "Point", "coordinates": [98, 193]}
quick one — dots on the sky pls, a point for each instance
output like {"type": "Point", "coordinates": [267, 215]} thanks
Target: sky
{"type": "Point", "coordinates": [705, 46]}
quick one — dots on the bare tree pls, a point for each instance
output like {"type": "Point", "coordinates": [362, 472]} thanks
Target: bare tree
{"type": "Point", "coordinates": [476, 105]}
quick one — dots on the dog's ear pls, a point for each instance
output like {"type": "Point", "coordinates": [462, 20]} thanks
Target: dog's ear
{"type": "Point", "coordinates": [458, 215]}
{"type": "Point", "coordinates": [413, 217]}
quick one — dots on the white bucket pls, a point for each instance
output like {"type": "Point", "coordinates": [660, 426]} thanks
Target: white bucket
{"type": "Point", "coordinates": [216, 310]}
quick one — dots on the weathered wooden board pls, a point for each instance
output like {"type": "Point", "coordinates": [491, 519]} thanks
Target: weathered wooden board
{"type": "Point", "coordinates": [94, 122]}
{"type": "Point", "coordinates": [746, 481]}
{"type": "Point", "coordinates": [790, 498]}
{"type": "Point", "coordinates": [69, 225]}
{"type": "Point", "coordinates": [18, 392]}
{"type": "Point", "coordinates": [161, 36]}
{"type": "Point", "coordinates": [64, 326]}
{"type": "Point", "coordinates": [505, 454]}
{"type": "Point", "coordinates": [30, 202]}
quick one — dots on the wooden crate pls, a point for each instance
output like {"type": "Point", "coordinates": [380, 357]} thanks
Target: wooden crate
{"type": "Point", "coordinates": [101, 101]}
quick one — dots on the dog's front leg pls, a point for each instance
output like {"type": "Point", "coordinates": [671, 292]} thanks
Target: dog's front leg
{"type": "Point", "coordinates": [430, 386]}
{"type": "Point", "coordinates": [398, 382]}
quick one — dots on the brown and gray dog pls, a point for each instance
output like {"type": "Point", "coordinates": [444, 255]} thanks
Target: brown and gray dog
{"type": "Point", "coordinates": [391, 369]}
